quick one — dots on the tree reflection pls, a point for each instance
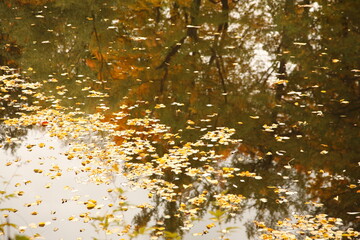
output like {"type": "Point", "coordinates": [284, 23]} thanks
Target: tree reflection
{"type": "Point", "coordinates": [11, 96]}
{"type": "Point", "coordinates": [207, 64]}
{"type": "Point", "coordinates": [282, 73]}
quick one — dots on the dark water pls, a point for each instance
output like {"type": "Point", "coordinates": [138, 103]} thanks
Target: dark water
{"type": "Point", "coordinates": [283, 74]}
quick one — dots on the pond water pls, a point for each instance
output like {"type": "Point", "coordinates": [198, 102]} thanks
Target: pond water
{"type": "Point", "coordinates": [150, 119]}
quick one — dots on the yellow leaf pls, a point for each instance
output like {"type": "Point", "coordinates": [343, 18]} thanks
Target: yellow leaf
{"type": "Point", "coordinates": [42, 224]}
{"type": "Point", "coordinates": [91, 204]}
{"type": "Point", "coordinates": [211, 225]}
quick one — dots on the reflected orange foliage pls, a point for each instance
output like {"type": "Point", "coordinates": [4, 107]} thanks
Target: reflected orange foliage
{"type": "Point", "coordinates": [91, 63]}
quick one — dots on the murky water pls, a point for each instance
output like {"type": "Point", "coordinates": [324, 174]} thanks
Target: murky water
{"type": "Point", "coordinates": [178, 119]}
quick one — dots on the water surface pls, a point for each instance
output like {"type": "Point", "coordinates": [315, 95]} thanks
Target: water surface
{"type": "Point", "coordinates": [208, 99]}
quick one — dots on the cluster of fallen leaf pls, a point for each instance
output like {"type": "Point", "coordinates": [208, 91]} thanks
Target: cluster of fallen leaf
{"type": "Point", "coordinates": [311, 227]}
{"type": "Point", "coordinates": [136, 156]}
